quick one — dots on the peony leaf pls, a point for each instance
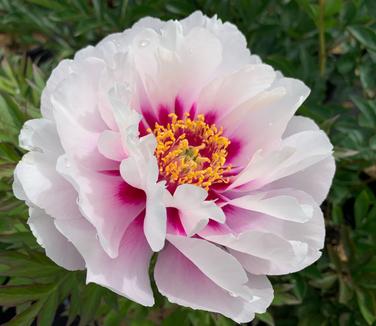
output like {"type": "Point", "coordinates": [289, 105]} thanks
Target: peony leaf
{"type": "Point", "coordinates": [13, 295]}
{"type": "Point", "coordinates": [367, 306]}
{"type": "Point", "coordinates": [364, 35]}
{"type": "Point", "coordinates": [26, 317]}
{"type": "Point", "coordinates": [48, 310]}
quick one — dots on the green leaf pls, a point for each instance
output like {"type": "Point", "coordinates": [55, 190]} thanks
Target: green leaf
{"type": "Point", "coordinates": [281, 299]}
{"type": "Point", "coordinates": [13, 295]}
{"type": "Point", "coordinates": [22, 265]}
{"type": "Point", "coordinates": [364, 35]}
{"type": "Point", "coordinates": [361, 207]}
{"type": "Point", "coordinates": [90, 301]}
{"type": "Point", "coordinates": [267, 318]}
{"type": "Point", "coordinates": [27, 316]}
{"type": "Point", "coordinates": [366, 303]}
{"type": "Point", "coordinates": [48, 311]}
{"type": "Point", "coordinates": [325, 282]}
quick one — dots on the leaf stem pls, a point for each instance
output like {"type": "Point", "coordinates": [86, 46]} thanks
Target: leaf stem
{"type": "Point", "coordinates": [321, 25]}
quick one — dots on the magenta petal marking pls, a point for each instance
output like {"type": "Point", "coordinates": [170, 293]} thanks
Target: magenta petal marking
{"type": "Point", "coordinates": [179, 108]}
{"type": "Point", "coordinates": [174, 224]}
{"type": "Point", "coordinates": [130, 195]}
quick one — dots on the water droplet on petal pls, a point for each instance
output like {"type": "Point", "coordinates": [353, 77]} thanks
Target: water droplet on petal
{"type": "Point", "coordinates": [144, 43]}
{"type": "Point", "coordinates": [97, 236]}
{"type": "Point", "coordinates": [78, 201]}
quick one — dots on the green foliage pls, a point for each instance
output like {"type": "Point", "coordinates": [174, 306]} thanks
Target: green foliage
{"type": "Point", "coordinates": [330, 44]}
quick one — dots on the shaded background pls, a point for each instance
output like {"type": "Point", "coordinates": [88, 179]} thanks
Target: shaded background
{"type": "Point", "coordinates": [329, 44]}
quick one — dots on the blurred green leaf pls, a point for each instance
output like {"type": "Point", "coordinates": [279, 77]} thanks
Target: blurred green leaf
{"type": "Point", "coordinates": [364, 35]}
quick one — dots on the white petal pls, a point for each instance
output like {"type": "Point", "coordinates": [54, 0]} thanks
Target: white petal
{"type": "Point", "coordinates": [228, 91]}
{"type": "Point", "coordinates": [36, 179]}
{"type": "Point", "coordinates": [155, 217]}
{"type": "Point", "coordinates": [317, 178]}
{"type": "Point", "coordinates": [290, 158]}
{"type": "Point", "coordinates": [261, 121]}
{"type": "Point", "coordinates": [194, 211]}
{"type": "Point", "coordinates": [57, 247]}
{"type": "Point", "coordinates": [277, 205]}
{"type": "Point", "coordinates": [109, 145]}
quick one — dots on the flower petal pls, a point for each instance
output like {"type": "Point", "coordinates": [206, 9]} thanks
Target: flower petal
{"type": "Point", "coordinates": [110, 146]}
{"type": "Point", "coordinates": [105, 200]}
{"type": "Point", "coordinates": [291, 157]}
{"type": "Point", "coordinates": [57, 247]}
{"type": "Point", "coordinates": [215, 263]}
{"type": "Point", "coordinates": [275, 204]}
{"type": "Point", "coordinates": [38, 168]}
{"type": "Point", "coordinates": [194, 211]}
{"type": "Point", "coordinates": [260, 122]}
{"type": "Point", "coordinates": [127, 274]}
{"type": "Point", "coordinates": [227, 92]}
{"type": "Point", "coordinates": [172, 271]}
{"type": "Point", "coordinates": [304, 239]}
{"type": "Point", "coordinates": [317, 178]}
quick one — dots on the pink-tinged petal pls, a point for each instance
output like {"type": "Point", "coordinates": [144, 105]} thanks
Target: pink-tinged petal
{"type": "Point", "coordinates": [172, 271]}
{"type": "Point", "coordinates": [128, 273]}
{"type": "Point", "coordinates": [227, 92]}
{"type": "Point", "coordinates": [158, 61]}
{"type": "Point", "coordinates": [261, 121]}
{"type": "Point", "coordinates": [57, 247]}
{"type": "Point", "coordinates": [214, 262]}
{"type": "Point", "coordinates": [301, 258]}
{"type": "Point", "coordinates": [314, 180]}
{"type": "Point", "coordinates": [275, 204]}
{"type": "Point", "coordinates": [110, 146]}
{"type": "Point", "coordinates": [261, 289]}
{"type": "Point", "coordinates": [141, 171]}
{"type": "Point", "coordinates": [306, 239]}
{"type": "Point", "coordinates": [194, 211]}
{"type": "Point", "coordinates": [257, 243]}
{"type": "Point", "coordinates": [79, 143]}
{"type": "Point", "coordinates": [105, 200]}
{"type": "Point", "coordinates": [289, 158]}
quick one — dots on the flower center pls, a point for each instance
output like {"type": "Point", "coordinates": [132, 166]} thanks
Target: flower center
{"type": "Point", "coordinates": [191, 151]}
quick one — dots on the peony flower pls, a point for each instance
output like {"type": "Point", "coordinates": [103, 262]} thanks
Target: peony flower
{"type": "Point", "coordinates": [171, 139]}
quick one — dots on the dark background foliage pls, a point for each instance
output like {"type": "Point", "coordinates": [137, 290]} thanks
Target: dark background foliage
{"type": "Point", "coordinates": [330, 44]}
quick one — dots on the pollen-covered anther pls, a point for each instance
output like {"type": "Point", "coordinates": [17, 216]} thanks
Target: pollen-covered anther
{"type": "Point", "coordinates": [191, 151]}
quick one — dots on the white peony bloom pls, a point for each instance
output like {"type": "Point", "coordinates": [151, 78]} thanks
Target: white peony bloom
{"type": "Point", "coordinates": [172, 139]}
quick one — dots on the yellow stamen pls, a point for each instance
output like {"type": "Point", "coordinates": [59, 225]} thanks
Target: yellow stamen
{"type": "Point", "coordinates": [191, 151]}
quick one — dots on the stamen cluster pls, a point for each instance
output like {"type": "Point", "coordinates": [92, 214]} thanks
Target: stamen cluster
{"type": "Point", "coordinates": [191, 151]}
